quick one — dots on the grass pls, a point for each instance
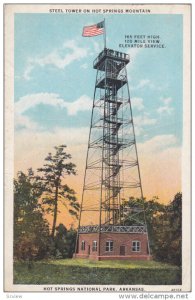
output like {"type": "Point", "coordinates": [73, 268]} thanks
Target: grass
{"type": "Point", "coordinates": [112, 264]}
{"type": "Point", "coordinates": [83, 271]}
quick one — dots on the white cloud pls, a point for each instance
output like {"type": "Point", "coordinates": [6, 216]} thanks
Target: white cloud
{"type": "Point", "coordinates": [34, 145]}
{"type": "Point", "coordinates": [82, 104]}
{"type": "Point", "coordinates": [57, 58]}
{"type": "Point", "coordinates": [60, 62]}
{"type": "Point", "coordinates": [167, 100]}
{"type": "Point", "coordinates": [141, 84]}
{"type": "Point", "coordinates": [29, 101]}
{"type": "Point", "coordinates": [144, 119]}
{"type": "Point", "coordinates": [97, 47]}
{"type": "Point", "coordinates": [166, 108]}
{"type": "Point", "coordinates": [138, 130]}
{"type": "Point", "coordinates": [160, 165]}
{"type": "Point", "coordinates": [133, 52]}
{"type": "Point", "coordinates": [145, 83]}
{"type": "Point", "coordinates": [141, 122]}
{"type": "Point", "coordinates": [28, 71]}
{"type": "Point", "coordinates": [159, 143]}
{"type": "Point", "coordinates": [21, 121]}
{"type": "Point", "coordinates": [84, 66]}
{"type": "Point", "coordinates": [137, 103]}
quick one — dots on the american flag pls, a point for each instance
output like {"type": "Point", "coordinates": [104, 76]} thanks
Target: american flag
{"type": "Point", "coordinates": [93, 29]}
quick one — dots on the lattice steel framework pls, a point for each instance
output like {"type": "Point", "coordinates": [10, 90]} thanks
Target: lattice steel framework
{"type": "Point", "coordinates": [112, 174]}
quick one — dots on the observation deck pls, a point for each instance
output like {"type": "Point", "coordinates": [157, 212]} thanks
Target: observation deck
{"type": "Point", "coordinates": [120, 57]}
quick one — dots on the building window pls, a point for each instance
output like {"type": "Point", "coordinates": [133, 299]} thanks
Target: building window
{"type": "Point", "coordinates": [83, 245]}
{"type": "Point", "coordinates": [109, 246]}
{"type": "Point", "coordinates": [94, 246]}
{"type": "Point", "coordinates": [136, 246]}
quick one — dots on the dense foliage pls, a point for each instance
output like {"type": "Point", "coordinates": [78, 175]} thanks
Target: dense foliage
{"type": "Point", "coordinates": [36, 196]}
{"type": "Point", "coordinates": [167, 232]}
{"type": "Point", "coordinates": [164, 224]}
{"type": "Point", "coordinates": [64, 242]}
{"type": "Point", "coordinates": [31, 230]}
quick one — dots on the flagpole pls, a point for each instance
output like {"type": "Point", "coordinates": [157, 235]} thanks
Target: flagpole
{"type": "Point", "coordinates": [104, 33]}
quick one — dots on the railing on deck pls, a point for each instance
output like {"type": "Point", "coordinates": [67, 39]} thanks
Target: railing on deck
{"type": "Point", "coordinates": [112, 53]}
{"type": "Point", "coordinates": [112, 228]}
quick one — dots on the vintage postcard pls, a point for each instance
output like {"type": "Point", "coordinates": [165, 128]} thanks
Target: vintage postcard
{"type": "Point", "coordinates": [97, 148]}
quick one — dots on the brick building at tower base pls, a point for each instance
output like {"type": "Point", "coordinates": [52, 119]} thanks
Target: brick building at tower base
{"type": "Point", "coordinates": [113, 245]}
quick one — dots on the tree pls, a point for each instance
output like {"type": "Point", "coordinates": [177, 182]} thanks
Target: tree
{"type": "Point", "coordinates": [71, 241]}
{"type": "Point", "coordinates": [64, 242]}
{"type": "Point", "coordinates": [31, 231]}
{"type": "Point", "coordinates": [153, 211]}
{"type": "Point", "coordinates": [165, 234]}
{"type": "Point", "coordinates": [52, 174]}
{"type": "Point", "coordinates": [60, 241]}
{"type": "Point", "coordinates": [139, 210]}
{"type": "Point", "coordinates": [164, 224]}
{"type": "Point", "coordinates": [169, 233]}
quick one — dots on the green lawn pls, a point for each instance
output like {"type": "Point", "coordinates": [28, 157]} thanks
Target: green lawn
{"type": "Point", "coordinates": [83, 271]}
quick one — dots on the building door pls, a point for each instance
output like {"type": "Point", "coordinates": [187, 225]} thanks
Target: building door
{"type": "Point", "coordinates": [89, 250]}
{"type": "Point", "coordinates": [122, 250]}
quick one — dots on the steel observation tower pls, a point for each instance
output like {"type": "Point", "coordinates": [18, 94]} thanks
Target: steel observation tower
{"type": "Point", "coordinates": [112, 225]}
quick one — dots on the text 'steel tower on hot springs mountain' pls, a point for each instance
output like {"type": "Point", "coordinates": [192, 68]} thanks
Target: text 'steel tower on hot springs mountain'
{"type": "Point", "coordinates": [111, 224]}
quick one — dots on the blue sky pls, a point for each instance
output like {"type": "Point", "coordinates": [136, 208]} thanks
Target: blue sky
{"type": "Point", "coordinates": [54, 78]}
